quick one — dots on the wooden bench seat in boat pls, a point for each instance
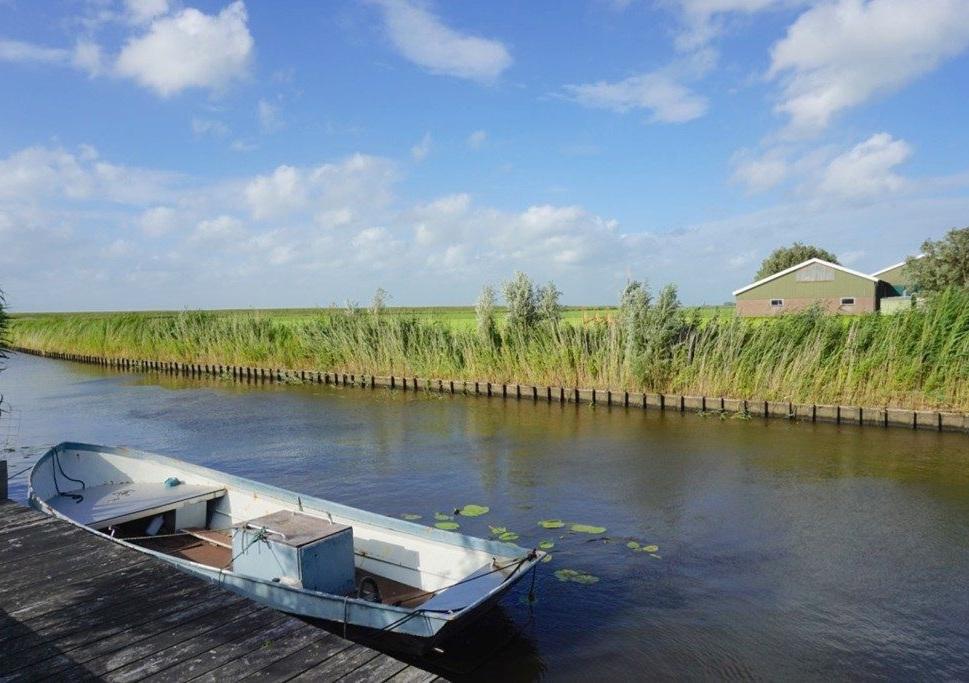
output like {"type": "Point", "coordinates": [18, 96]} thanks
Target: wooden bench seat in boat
{"type": "Point", "coordinates": [112, 504]}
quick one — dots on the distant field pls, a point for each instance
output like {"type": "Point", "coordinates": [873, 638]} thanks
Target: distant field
{"type": "Point", "coordinates": [458, 317]}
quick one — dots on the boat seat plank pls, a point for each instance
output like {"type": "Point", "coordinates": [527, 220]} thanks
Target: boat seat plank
{"type": "Point", "coordinates": [213, 536]}
{"type": "Point", "coordinates": [472, 588]}
{"type": "Point", "coordinates": [112, 504]}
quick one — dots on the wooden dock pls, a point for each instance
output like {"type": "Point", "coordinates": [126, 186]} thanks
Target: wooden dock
{"type": "Point", "coordinates": [74, 606]}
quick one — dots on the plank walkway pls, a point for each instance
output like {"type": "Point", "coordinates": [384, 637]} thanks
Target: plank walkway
{"type": "Point", "coordinates": [75, 607]}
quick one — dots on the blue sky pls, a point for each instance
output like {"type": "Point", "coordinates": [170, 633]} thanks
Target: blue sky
{"type": "Point", "coordinates": [162, 154]}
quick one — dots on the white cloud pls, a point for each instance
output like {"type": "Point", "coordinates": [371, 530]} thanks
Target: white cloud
{"type": "Point", "coordinates": [424, 39]}
{"type": "Point", "coordinates": [143, 11]}
{"type": "Point", "coordinates": [212, 127]}
{"type": "Point", "coordinates": [218, 229]}
{"type": "Point", "coordinates": [420, 151]}
{"type": "Point", "coordinates": [759, 174]}
{"type": "Point", "coordinates": [268, 115]}
{"type": "Point", "coordinates": [158, 220]}
{"type": "Point", "coordinates": [277, 194]}
{"type": "Point", "coordinates": [477, 139]}
{"type": "Point", "coordinates": [840, 54]}
{"type": "Point", "coordinates": [703, 19]}
{"type": "Point", "coordinates": [665, 99]}
{"type": "Point", "coordinates": [19, 51]}
{"type": "Point", "coordinates": [189, 50]}
{"type": "Point", "coordinates": [88, 58]}
{"type": "Point", "coordinates": [867, 169]}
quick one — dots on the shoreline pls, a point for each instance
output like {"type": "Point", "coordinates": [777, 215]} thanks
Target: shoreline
{"type": "Point", "coordinates": [881, 416]}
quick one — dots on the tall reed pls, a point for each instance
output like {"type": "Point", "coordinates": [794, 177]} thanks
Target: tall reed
{"type": "Point", "coordinates": [918, 358]}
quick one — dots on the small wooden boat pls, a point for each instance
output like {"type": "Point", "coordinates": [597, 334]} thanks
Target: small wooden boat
{"type": "Point", "coordinates": [295, 553]}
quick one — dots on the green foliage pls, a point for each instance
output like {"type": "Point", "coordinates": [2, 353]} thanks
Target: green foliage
{"type": "Point", "coordinates": [915, 359]}
{"type": "Point", "coordinates": [484, 313]}
{"type": "Point", "coordinates": [522, 302]}
{"type": "Point", "coordinates": [945, 263]}
{"type": "Point", "coordinates": [783, 258]}
{"type": "Point", "coordinates": [549, 308]}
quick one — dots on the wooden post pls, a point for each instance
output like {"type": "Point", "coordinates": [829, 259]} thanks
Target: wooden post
{"type": "Point", "coordinates": [3, 479]}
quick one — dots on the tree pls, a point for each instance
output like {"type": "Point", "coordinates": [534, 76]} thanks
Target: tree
{"type": "Point", "coordinates": [944, 263]}
{"type": "Point", "coordinates": [484, 313]}
{"type": "Point", "coordinates": [379, 302]}
{"type": "Point", "coordinates": [634, 302]}
{"type": "Point", "coordinates": [521, 298]}
{"type": "Point", "coordinates": [549, 309]}
{"type": "Point", "coordinates": [783, 258]}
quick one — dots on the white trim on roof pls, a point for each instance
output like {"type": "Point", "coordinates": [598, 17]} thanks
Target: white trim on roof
{"type": "Point", "coordinates": [798, 267]}
{"type": "Point", "coordinates": [885, 270]}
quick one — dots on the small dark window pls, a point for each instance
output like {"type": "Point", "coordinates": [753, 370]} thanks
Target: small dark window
{"type": "Point", "coordinates": [776, 303]}
{"type": "Point", "coordinates": [847, 301]}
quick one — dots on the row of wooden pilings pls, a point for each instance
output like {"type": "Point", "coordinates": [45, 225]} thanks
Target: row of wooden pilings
{"type": "Point", "coordinates": [836, 414]}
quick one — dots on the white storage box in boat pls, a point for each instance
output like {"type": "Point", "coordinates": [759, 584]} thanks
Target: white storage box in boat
{"type": "Point", "coordinates": [296, 549]}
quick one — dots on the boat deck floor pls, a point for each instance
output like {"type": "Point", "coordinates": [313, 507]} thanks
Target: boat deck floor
{"type": "Point", "coordinates": [214, 549]}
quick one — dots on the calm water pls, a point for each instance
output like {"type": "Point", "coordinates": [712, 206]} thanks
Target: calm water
{"type": "Point", "coordinates": [786, 550]}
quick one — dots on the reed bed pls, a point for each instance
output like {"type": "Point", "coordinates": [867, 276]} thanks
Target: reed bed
{"type": "Point", "coordinates": [916, 359]}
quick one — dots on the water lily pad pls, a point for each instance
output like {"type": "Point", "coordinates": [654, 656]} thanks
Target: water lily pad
{"type": "Point", "coordinates": [650, 548]}
{"type": "Point", "coordinates": [497, 530]}
{"type": "Point", "coordinates": [448, 526]}
{"type": "Point", "coordinates": [551, 524]}
{"type": "Point", "coordinates": [588, 529]}
{"type": "Point", "coordinates": [633, 545]}
{"type": "Point", "coordinates": [546, 545]}
{"type": "Point", "coordinates": [441, 517]}
{"type": "Point", "coordinates": [547, 558]}
{"type": "Point", "coordinates": [508, 536]}
{"type": "Point", "coordinates": [410, 517]}
{"type": "Point", "coordinates": [474, 510]}
{"type": "Point", "coordinates": [575, 576]}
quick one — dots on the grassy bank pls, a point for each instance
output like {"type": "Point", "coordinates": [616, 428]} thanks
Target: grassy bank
{"type": "Point", "coordinates": [918, 359]}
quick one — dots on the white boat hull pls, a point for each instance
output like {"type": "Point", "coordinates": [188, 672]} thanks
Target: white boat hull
{"type": "Point", "coordinates": [451, 567]}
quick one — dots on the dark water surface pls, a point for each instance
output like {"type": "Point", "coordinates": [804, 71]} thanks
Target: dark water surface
{"type": "Point", "coordinates": [787, 551]}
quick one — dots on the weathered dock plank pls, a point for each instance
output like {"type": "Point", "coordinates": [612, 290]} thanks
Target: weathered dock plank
{"type": "Point", "coordinates": [76, 607]}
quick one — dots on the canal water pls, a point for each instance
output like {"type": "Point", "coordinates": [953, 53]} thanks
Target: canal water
{"type": "Point", "coordinates": [785, 551]}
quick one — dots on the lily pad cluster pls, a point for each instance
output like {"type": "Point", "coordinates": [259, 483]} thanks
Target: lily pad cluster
{"type": "Point", "coordinates": [472, 510]}
{"type": "Point", "coordinates": [410, 516]}
{"type": "Point", "coordinates": [576, 576]}
{"type": "Point", "coordinates": [650, 548]}
{"type": "Point", "coordinates": [577, 528]}
{"type": "Point", "coordinates": [503, 534]}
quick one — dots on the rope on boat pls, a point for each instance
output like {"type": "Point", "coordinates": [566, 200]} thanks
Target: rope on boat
{"type": "Point", "coordinates": [56, 465]}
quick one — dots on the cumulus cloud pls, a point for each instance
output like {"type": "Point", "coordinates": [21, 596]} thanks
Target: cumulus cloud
{"type": "Point", "coordinates": [867, 169]}
{"type": "Point", "coordinates": [477, 139]}
{"type": "Point", "coordinates": [762, 173]}
{"type": "Point", "coordinates": [158, 220]}
{"type": "Point", "coordinates": [212, 127]}
{"type": "Point", "coordinates": [268, 115]}
{"type": "Point", "coordinates": [422, 38]}
{"type": "Point", "coordinates": [420, 151]}
{"type": "Point", "coordinates": [189, 49]}
{"type": "Point", "coordinates": [840, 54]}
{"type": "Point", "coordinates": [143, 11]}
{"type": "Point", "coordinates": [661, 92]}
{"type": "Point", "coordinates": [703, 19]}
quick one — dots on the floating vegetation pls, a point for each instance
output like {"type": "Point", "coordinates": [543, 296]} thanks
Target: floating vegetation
{"type": "Point", "coordinates": [546, 545]}
{"type": "Point", "coordinates": [587, 529]}
{"type": "Point", "coordinates": [410, 516]}
{"type": "Point", "coordinates": [473, 510]}
{"type": "Point", "coordinates": [633, 545]}
{"type": "Point", "coordinates": [551, 524]}
{"type": "Point", "coordinates": [547, 558]}
{"type": "Point", "coordinates": [650, 548]}
{"type": "Point", "coordinates": [636, 547]}
{"type": "Point", "coordinates": [503, 534]}
{"type": "Point", "coordinates": [441, 517]}
{"type": "Point", "coordinates": [448, 526]}
{"type": "Point", "coordinates": [576, 576]}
